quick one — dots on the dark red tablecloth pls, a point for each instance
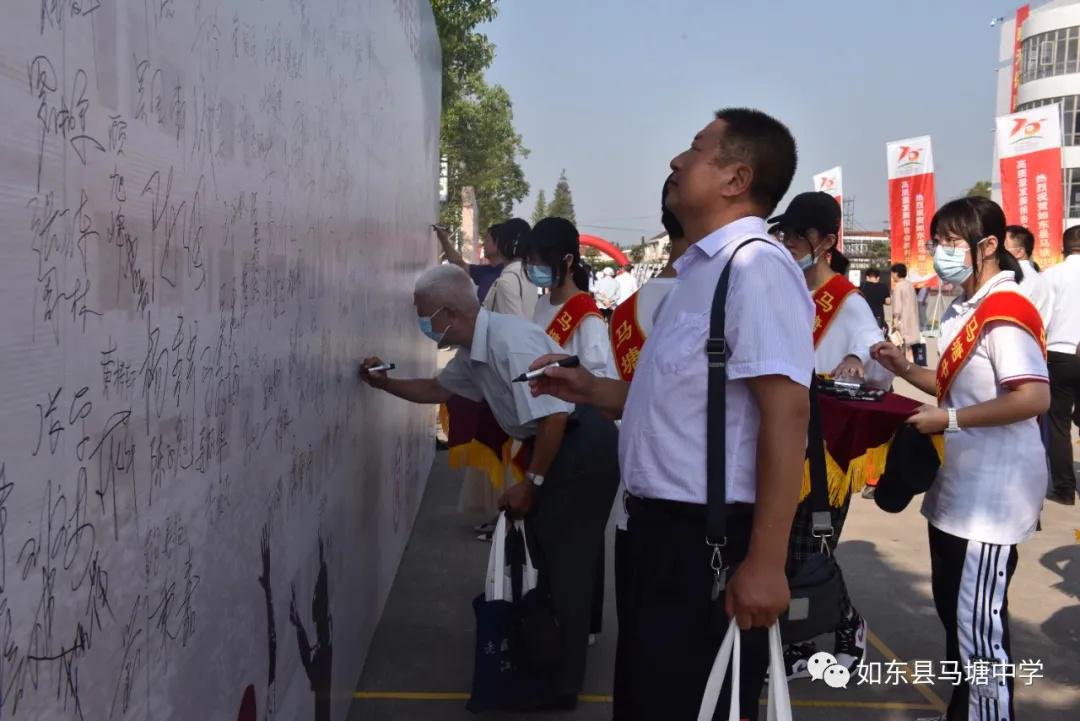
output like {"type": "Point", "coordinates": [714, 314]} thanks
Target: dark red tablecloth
{"type": "Point", "coordinates": [857, 436]}
{"type": "Point", "coordinates": [852, 427]}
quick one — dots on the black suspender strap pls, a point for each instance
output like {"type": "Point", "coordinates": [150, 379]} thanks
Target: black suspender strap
{"type": "Point", "coordinates": [716, 352]}
{"type": "Point", "coordinates": [818, 500]}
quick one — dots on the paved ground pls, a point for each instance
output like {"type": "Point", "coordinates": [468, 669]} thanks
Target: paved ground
{"type": "Point", "coordinates": [420, 665]}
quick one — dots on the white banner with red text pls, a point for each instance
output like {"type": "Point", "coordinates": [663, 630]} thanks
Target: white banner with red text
{"type": "Point", "coordinates": [911, 204]}
{"type": "Point", "coordinates": [1029, 151]}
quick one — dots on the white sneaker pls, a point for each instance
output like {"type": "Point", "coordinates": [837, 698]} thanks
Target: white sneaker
{"type": "Point", "coordinates": [592, 639]}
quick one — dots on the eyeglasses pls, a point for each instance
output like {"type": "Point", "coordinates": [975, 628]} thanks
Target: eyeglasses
{"type": "Point", "coordinates": [946, 243]}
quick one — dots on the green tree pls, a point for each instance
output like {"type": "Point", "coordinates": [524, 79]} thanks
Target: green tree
{"type": "Point", "coordinates": [540, 212]}
{"type": "Point", "coordinates": [465, 54]}
{"type": "Point", "coordinates": [562, 201]}
{"type": "Point", "coordinates": [477, 128]}
{"type": "Point", "coordinates": [981, 189]}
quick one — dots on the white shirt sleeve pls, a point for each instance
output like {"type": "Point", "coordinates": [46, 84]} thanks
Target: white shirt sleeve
{"type": "Point", "coordinates": [865, 333]}
{"type": "Point", "coordinates": [769, 318]}
{"type": "Point", "coordinates": [594, 347]}
{"type": "Point", "coordinates": [455, 377]}
{"type": "Point", "coordinates": [522, 343]}
{"type": "Point", "coordinates": [1014, 354]}
{"type": "Point", "coordinates": [531, 408]}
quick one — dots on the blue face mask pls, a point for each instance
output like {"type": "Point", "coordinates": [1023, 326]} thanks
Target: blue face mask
{"type": "Point", "coordinates": [949, 264]}
{"type": "Point", "coordinates": [426, 329]}
{"type": "Point", "coordinates": [807, 261]}
{"type": "Point", "coordinates": [541, 276]}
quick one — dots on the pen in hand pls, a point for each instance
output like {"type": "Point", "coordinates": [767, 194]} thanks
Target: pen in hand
{"type": "Point", "coordinates": [570, 362]}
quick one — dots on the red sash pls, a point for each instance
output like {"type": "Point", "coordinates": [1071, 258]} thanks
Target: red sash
{"type": "Point", "coordinates": [569, 317]}
{"type": "Point", "coordinates": [827, 301]}
{"type": "Point", "coordinates": [627, 338]}
{"type": "Point", "coordinates": [1005, 306]}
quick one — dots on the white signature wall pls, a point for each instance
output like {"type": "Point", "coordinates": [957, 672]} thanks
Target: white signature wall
{"type": "Point", "coordinates": [208, 210]}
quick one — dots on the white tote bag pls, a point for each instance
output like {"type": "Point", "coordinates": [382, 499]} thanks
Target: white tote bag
{"type": "Point", "coordinates": [498, 586]}
{"type": "Point", "coordinates": [779, 703]}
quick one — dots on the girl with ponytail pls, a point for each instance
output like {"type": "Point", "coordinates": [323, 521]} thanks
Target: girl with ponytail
{"type": "Point", "coordinates": [568, 312]}
{"type": "Point", "coordinates": [569, 315]}
{"type": "Point", "coordinates": [991, 386]}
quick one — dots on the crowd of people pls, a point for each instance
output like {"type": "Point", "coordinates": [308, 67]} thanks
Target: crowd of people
{"type": "Point", "coordinates": [630, 426]}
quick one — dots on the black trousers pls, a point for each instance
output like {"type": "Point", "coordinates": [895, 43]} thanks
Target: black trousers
{"type": "Point", "coordinates": [596, 618]}
{"type": "Point", "coordinates": [621, 709]}
{"type": "Point", "coordinates": [567, 524]}
{"type": "Point", "coordinates": [970, 582]}
{"type": "Point", "coordinates": [1064, 393]}
{"type": "Point", "coordinates": [670, 644]}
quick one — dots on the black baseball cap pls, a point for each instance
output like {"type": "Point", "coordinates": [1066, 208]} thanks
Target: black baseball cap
{"type": "Point", "coordinates": [816, 210]}
{"type": "Point", "coordinates": [910, 469]}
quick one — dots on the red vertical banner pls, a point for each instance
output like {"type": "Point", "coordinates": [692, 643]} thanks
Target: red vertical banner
{"type": "Point", "coordinates": [1029, 149]}
{"type": "Point", "coordinates": [831, 181]}
{"type": "Point", "coordinates": [911, 204]}
{"type": "Point", "coordinates": [1021, 15]}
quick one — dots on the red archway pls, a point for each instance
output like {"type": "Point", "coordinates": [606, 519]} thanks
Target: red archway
{"type": "Point", "coordinates": [606, 247]}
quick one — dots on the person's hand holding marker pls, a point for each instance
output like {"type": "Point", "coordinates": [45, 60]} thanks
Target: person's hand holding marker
{"type": "Point", "coordinates": [534, 371]}
{"type": "Point", "coordinates": [373, 372]}
{"type": "Point", "coordinates": [561, 376]}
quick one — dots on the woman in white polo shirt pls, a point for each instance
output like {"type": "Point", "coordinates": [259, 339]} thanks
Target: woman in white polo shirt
{"type": "Point", "coordinates": [991, 384]}
{"type": "Point", "coordinates": [570, 317]}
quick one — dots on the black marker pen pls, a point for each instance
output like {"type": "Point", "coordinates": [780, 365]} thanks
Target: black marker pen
{"type": "Point", "coordinates": [571, 362]}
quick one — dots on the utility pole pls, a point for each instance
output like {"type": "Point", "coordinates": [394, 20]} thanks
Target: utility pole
{"type": "Point", "coordinates": [849, 212]}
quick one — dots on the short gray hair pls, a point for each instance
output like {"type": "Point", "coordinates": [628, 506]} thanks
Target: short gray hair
{"type": "Point", "coordinates": [447, 285]}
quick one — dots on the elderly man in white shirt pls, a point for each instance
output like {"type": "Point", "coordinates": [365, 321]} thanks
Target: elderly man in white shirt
{"type": "Point", "coordinates": [1020, 243]}
{"type": "Point", "coordinates": [1063, 360]}
{"type": "Point", "coordinates": [733, 175]}
{"type": "Point", "coordinates": [628, 285]}
{"type": "Point", "coordinates": [607, 292]}
{"type": "Point", "coordinates": [573, 472]}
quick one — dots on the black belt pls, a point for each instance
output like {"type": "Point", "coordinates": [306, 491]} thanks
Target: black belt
{"type": "Point", "coordinates": [659, 509]}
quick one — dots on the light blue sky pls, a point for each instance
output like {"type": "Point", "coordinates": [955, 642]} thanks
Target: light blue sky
{"type": "Point", "coordinates": [610, 90]}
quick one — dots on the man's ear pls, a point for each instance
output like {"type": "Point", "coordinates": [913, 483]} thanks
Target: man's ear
{"type": "Point", "coordinates": [740, 176]}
